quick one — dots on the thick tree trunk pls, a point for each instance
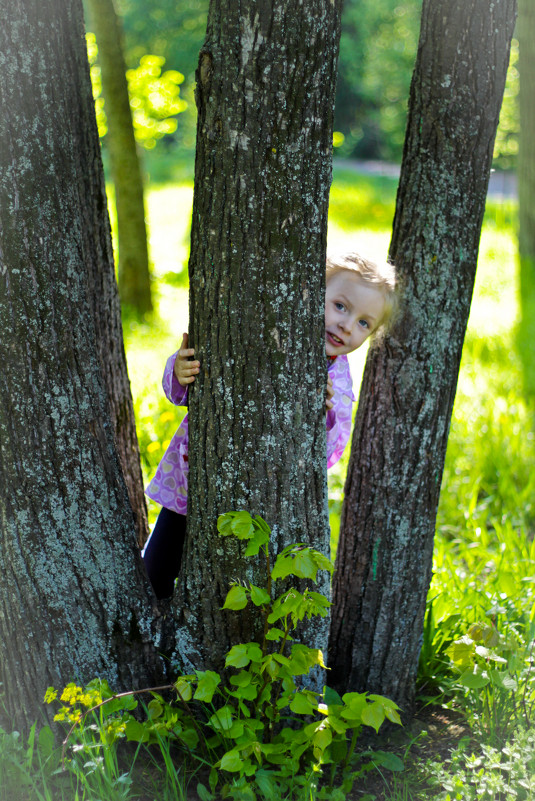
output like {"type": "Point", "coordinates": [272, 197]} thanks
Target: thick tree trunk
{"type": "Point", "coordinates": [386, 540]}
{"type": "Point", "coordinates": [74, 599]}
{"type": "Point", "coordinates": [265, 93]}
{"type": "Point", "coordinates": [134, 277]}
{"type": "Point", "coordinates": [526, 189]}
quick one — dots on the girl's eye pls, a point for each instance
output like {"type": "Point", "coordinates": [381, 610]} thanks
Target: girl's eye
{"type": "Point", "coordinates": [364, 323]}
{"type": "Point", "coordinates": [339, 306]}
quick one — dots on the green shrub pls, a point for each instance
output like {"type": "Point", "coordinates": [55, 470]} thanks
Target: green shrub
{"type": "Point", "coordinates": [258, 728]}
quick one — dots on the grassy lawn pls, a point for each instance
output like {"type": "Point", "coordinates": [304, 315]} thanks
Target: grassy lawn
{"type": "Point", "coordinates": [472, 737]}
{"type": "Point", "coordinates": [484, 555]}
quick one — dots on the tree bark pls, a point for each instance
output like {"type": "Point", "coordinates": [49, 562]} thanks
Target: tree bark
{"type": "Point", "coordinates": [75, 602]}
{"type": "Point", "coordinates": [134, 277]}
{"type": "Point", "coordinates": [526, 190]}
{"type": "Point", "coordinates": [265, 94]}
{"type": "Point", "coordinates": [385, 551]}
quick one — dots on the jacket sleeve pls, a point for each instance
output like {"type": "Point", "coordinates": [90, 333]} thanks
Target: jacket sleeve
{"type": "Point", "coordinates": [174, 392]}
{"type": "Point", "coordinates": [339, 418]}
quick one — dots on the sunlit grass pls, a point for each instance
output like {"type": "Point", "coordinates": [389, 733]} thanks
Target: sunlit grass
{"type": "Point", "coordinates": [361, 213]}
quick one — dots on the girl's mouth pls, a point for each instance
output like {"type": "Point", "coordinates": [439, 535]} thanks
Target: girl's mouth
{"type": "Point", "coordinates": [336, 341]}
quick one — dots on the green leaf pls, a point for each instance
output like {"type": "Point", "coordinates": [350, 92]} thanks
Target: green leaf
{"type": "Point", "coordinates": [461, 652]}
{"type": "Point", "coordinates": [275, 634]}
{"type": "Point", "coordinates": [301, 561]}
{"type": "Point", "coordinates": [213, 779]}
{"type": "Point", "coordinates": [383, 701]}
{"type": "Point", "coordinates": [259, 596]}
{"type": "Point", "coordinates": [183, 688]}
{"type": "Point", "coordinates": [392, 715]}
{"type": "Point", "coordinates": [203, 793]}
{"type": "Point", "coordinates": [247, 692]}
{"type": "Point", "coordinates": [300, 704]}
{"type": "Point", "coordinates": [254, 652]}
{"type": "Point", "coordinates": [155, 709]}
{"type": "Point", "coordinates": [236, 598]}
{"type": "Point", "coordinates": [222, 719]}
{"type": "Point", "coordinates": [337, 724]}
{"type": "Point", "coordinates": [241, 679]}
{"type": "Point", "coordinates": [473, 681]}
{"type": "Point", "coordinates": [240, 524]}
{"type": "Point", "coordinates": [295, 560]}
{"type": "Point", "coordinates": [267, 783]}
{"type": "Point", "coordinates": [304, 658]}
{"type": "Point", "coordinates": [323, 738]}
{"type": "Point", "coordinates": [237, 656]}
{"type": "Point", "coordinates": [331, 697]}
{"type": "Point", "coordinates": [355, 701]}
{"type": "Point", "coordinates": [224, 523]}
{"type": "Point", "coordinates": [189, 737]}
{"type": "Point", "coordinates": [231, 761]}
{"type": "Point", "coordinates": [271, 666]}
{"type": "Point", "coordinates": [208, 684]}
{"type": "Point", "coordinates": [504, 680]}
{"type": "Point", "coordinates": [258, 539]}
{"type": "Point", "coordinates": [136, 731]}
{"type": "Point", "coordinates": [236, 730]}
{"type": "Point", "coordinates": [373, 715]}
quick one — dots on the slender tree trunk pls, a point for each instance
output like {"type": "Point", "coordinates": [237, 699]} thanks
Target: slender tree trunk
{"type": "Point", "coordinates": [526, 190]}
{"type": "Point", "coordinates": [134, 278]}
{"type": "Point", "coordinates": [265, 94]}
{"type": "Point", "coordinates": [74, 601]}
{"type": "Point", "coordinates": [386, 539]}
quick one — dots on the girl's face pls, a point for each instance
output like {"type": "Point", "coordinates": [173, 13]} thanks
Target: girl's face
{"type": "Point", "coordinates": [353, 309]}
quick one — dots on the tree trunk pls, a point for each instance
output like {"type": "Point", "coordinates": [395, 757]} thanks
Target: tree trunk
{"type": "Point", "coordinates": [134, 278]}
{"type": "Point", "coordinates": [74, 601]}
{"type": "Point", "coordinates": [385, 552]}
{"type": "Point", "coordinates": [265, 94]}
{"type": "Point", "coordinates": [526, 190]}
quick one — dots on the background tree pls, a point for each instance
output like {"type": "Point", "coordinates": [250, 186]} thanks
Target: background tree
{"type": "Point", "coordinates": [377, 51]}
{"type": "Point", "coordinates": [526, 190]}
{"type": "Point", "coordinates": [387, 529]}
{"type": "Point", "coordinates": [265, 95]}
{"type": "Point", "coordinates": [75, 602]}
{"type": "Point", "coordinates": [134, 277]}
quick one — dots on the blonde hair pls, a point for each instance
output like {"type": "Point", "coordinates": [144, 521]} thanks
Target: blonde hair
{"type": "Point", "coordinates": [381, 276]}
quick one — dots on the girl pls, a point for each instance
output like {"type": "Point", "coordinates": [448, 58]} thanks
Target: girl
{"type": "Point", "coordinates": [359, 300]}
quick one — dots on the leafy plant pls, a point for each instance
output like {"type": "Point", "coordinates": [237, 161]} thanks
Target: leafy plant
{"type": "Point", "coordinates": [259, 728]}
{"type": "Point", "coordinates": [485, 773]}
{"type": "Point", "coordinates": [497, 676]}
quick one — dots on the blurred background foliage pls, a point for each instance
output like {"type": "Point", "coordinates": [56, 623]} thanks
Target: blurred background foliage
{"type": "Point", "coordinates": [377, 52]}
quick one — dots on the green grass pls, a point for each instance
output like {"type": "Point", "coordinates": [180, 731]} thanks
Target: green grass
{"type": "Point", "coordinates": [485, 550]}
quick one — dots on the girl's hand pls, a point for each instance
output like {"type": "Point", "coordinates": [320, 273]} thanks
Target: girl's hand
{"type": "Point", "coordinates": [184, 369]}
{"type": "Point", "coordinates": [330, 394]}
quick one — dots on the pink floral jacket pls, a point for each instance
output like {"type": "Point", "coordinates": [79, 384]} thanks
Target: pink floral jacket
{"type": "Point", "coordinates": [169, 487]}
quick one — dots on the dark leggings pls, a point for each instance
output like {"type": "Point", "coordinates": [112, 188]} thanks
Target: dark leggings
{"type": "Point", "coordinates": [163, 553]}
